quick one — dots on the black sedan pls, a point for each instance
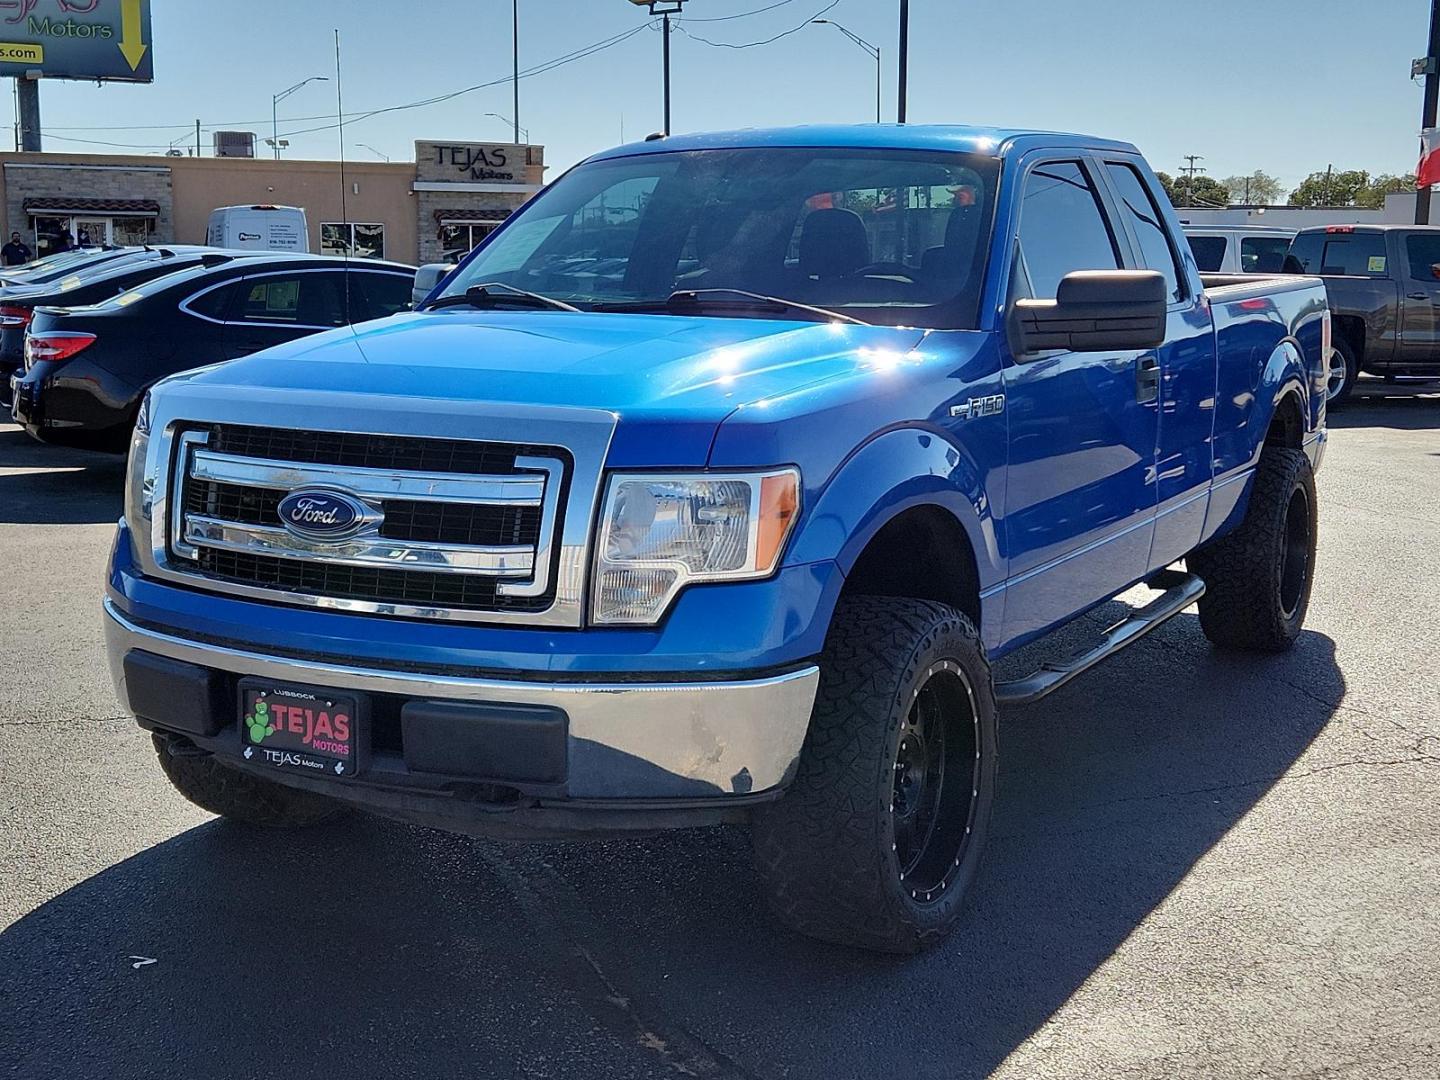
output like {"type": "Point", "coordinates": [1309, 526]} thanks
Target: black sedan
{"type": "Point", "coordinates": [87, 283]}
{"type": "Point", "coordinates": [87, 368]}
{"type": "Point", "coordinates": [53, 267]}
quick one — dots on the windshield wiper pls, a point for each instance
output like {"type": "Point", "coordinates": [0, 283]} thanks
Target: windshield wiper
{"type": "Point", "coordinates": [480, 296]}
{"type": "Point", "coordinates": [683, 300]}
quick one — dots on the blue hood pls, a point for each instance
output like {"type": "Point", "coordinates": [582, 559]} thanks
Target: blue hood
{"type": "Point", "coordinates": [680, 374]}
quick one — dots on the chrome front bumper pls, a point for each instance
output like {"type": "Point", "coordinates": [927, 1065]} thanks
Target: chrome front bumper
{"type": "Point", "coordinates": [627, 740]}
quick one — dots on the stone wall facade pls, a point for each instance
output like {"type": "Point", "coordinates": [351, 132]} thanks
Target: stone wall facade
{"type": "Point", "coordinates": [32, 180]}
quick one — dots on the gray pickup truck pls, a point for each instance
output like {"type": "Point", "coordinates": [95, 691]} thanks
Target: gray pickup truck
{"type": "Point", "coordinates": [1383, 283]}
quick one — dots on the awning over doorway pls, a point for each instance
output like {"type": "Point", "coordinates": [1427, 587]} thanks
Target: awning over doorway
{"type": "Point", "coordinates": [120, 207]}
{"type": "Point", "coordinates": [487, 216]}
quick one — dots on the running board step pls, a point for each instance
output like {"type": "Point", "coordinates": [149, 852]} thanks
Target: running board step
{"type": "Point", "coordinates": [1181, 590]}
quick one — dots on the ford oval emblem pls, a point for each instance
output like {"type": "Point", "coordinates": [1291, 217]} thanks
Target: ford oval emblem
{"type": "Point", "coordinates": [323, 515]}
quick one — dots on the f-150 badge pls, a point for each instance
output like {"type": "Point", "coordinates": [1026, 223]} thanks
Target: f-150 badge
{"type": "Point", "coordinates": [978, 406]}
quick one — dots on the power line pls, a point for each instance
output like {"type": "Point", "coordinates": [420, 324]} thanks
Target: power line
{"type": "Point", "coordinates": [740, 15]}
{"type": "Point", "coordinates": [765, 41]}
{"type": "Point", "coordinates": [540, 69]}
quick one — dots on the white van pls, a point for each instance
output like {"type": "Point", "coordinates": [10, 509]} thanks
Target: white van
{"type": "Point", "coordinates": [1238, 249]}
{"type": "Point", "coordinates": [259, 228]}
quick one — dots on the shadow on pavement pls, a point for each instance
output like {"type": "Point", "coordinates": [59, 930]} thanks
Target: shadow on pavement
{"type": "Point", "coordinates": [52, 485]}
{"type": "Point", "coordinates": [368, 948]}
{"type": "Point", "coordinates": [1405, 408]}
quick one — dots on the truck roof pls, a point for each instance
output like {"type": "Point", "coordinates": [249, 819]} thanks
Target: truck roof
{"type": "Point", "coordinates": [1368, 228]}
{"type": "Point", "coordinates": [989, 141]}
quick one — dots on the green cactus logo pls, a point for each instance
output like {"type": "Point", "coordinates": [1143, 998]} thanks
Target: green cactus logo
{"type": "Point", "coordinates": [259, 722]}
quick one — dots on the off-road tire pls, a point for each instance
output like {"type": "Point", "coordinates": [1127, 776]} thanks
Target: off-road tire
{"type": "Point", "coordinates": [240, 796]}
{"type": "Point", "coordinates": [826, 850]}
{"type": "Point", "coordinates": [1346, 352]}
{"type": "Point", "coordinates": [1250, 602]}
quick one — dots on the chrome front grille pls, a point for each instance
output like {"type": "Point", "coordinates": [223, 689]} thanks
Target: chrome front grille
{"type": "Point", "coordinates": [452, 524]}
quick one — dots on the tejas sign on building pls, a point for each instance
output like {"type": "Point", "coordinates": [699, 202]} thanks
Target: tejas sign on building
{"type": "Point", "coordinates": [76, 39]}
{"type": "Point", "coordinates": [496, 163]}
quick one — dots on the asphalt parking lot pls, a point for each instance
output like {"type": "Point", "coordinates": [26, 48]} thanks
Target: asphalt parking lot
{"type": "Point", "coordinates": [1202, 865]}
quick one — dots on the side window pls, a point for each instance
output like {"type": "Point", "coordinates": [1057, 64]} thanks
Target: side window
{"type": "Point", "coordinates": [1144, 216]}
{"type": "Point", "coordinates": [1062, 227]}
{"type": "Point", "coordinates": [300, 300]}
{"type": "Point", "coordinates": [1209, 252]}
{"type": "Point", "coordinates": [1263, 254]}
{"type": "Point", "coordinates": [1423, 253]}
{"type": "Point", "coordinates": [214, 304]}
{"type": "Point", "coordinates": [385, 294]}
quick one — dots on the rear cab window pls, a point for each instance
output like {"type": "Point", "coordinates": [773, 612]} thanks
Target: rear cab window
{"type": "Point", "coordinates": [1338, 252]}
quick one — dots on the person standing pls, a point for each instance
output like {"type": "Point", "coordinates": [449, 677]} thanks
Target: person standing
{"type": "Point", "coordinates": [16, 251]}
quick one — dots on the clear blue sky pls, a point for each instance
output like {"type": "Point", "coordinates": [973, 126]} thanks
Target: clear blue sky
{"type": "Point", "coordinates": [1281, 85]}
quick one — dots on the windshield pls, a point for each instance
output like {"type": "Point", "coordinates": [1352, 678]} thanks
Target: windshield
{"type": "Point", "coordinates": [885, 236]}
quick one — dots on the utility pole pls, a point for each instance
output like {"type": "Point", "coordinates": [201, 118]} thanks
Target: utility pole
{"type": "Point", "coordinates": [515, 41]}
{"type": "Point", "coordinates": [905, 59]}
{"type": "Point", "coordinates": [28, 91]}
{"type": "Point", "coordinates": [1191, 169]}
{"type": "Point", "coordinates": [665, 19]}
{"type": "Point", "coordinates": [1432, 95]}
{"type": "Point", "coordinates": [1328, 198]}
{"type": "Point", "coordinates": [197, 137]}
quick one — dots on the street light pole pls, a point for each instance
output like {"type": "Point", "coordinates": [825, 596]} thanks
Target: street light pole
{"type": "Point", "coordinates": [663, 8]}
{"type": "Point", "coordinates": [275, 110]}
{"type": "Point", "coordinates": [872, 50]}
{"type": "Point", "coordinates": [904, 59]}
{"type": "Point", "coordinates": [515, 41]}
{"type": "Point", "coordinates": [519, 131]}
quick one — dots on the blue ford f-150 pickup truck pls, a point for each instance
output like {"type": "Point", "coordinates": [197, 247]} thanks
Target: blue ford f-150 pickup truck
{"type": "Point", "coordinates": [707, 489]}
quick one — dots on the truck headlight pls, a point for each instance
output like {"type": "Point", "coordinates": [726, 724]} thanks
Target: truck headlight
{"type": "Point", "coordinates": [660, 532]}
{"type": "Point", "coordinates": [139, 484]}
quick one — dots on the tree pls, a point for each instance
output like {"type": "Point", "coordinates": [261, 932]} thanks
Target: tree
{"type": "Point", "coordinates": [1352, 187]}
{"type": "Point", "coordinates": [1330, 189]}
{"type": "Point", "coordinates": [1373, 196]}
{"type": "Point", "coordinates": [1202, 191]}
{"type": "Point", "coordinates": [1257, 188]}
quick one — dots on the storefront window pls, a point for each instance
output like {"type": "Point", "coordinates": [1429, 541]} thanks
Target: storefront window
{"type": "Point", "coordinates": [50, 234]}
{"type": "Point", "coordinates": [359, 240]}
{"type": "Point", "coordinates": [131, 230]}
{"type": "Point", "coordinates": [458, 237]}
{"type": "Point", "coordinates": [56, 233]}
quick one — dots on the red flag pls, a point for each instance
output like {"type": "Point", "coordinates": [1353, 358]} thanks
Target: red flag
{"type": "Point", "coordinates": [1428, 171]}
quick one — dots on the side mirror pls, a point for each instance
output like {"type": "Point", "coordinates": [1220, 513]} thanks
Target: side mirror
{"type": "Point", "coordinates": [426, 278]}
{"type": "Point", "coordinates": [1094, 311]}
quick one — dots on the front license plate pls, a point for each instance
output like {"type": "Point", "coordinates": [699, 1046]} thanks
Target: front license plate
{"type": "Point", "coordinates": [305, 728]}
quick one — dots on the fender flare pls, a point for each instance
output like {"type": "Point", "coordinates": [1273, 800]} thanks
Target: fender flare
{"type": "Point", "coordinates": [896, 471]}
{"type": "Point", "coordinates": [1283, 375]}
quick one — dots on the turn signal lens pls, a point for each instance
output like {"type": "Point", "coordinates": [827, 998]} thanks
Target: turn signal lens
{"type": "Point", "coordinates": [779, 502]}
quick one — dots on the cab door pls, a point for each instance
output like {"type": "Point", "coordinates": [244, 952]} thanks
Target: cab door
{"type": "Point", "coordinates": [1419, 274]}
{"type": "Point", "coordinates": [1184, 400]}
{"type": "Point", "coordinates": [1080, 492]}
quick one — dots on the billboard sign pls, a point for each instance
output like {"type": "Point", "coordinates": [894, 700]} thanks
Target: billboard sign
{"type": "Point", "coordinates": [76, 39]}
